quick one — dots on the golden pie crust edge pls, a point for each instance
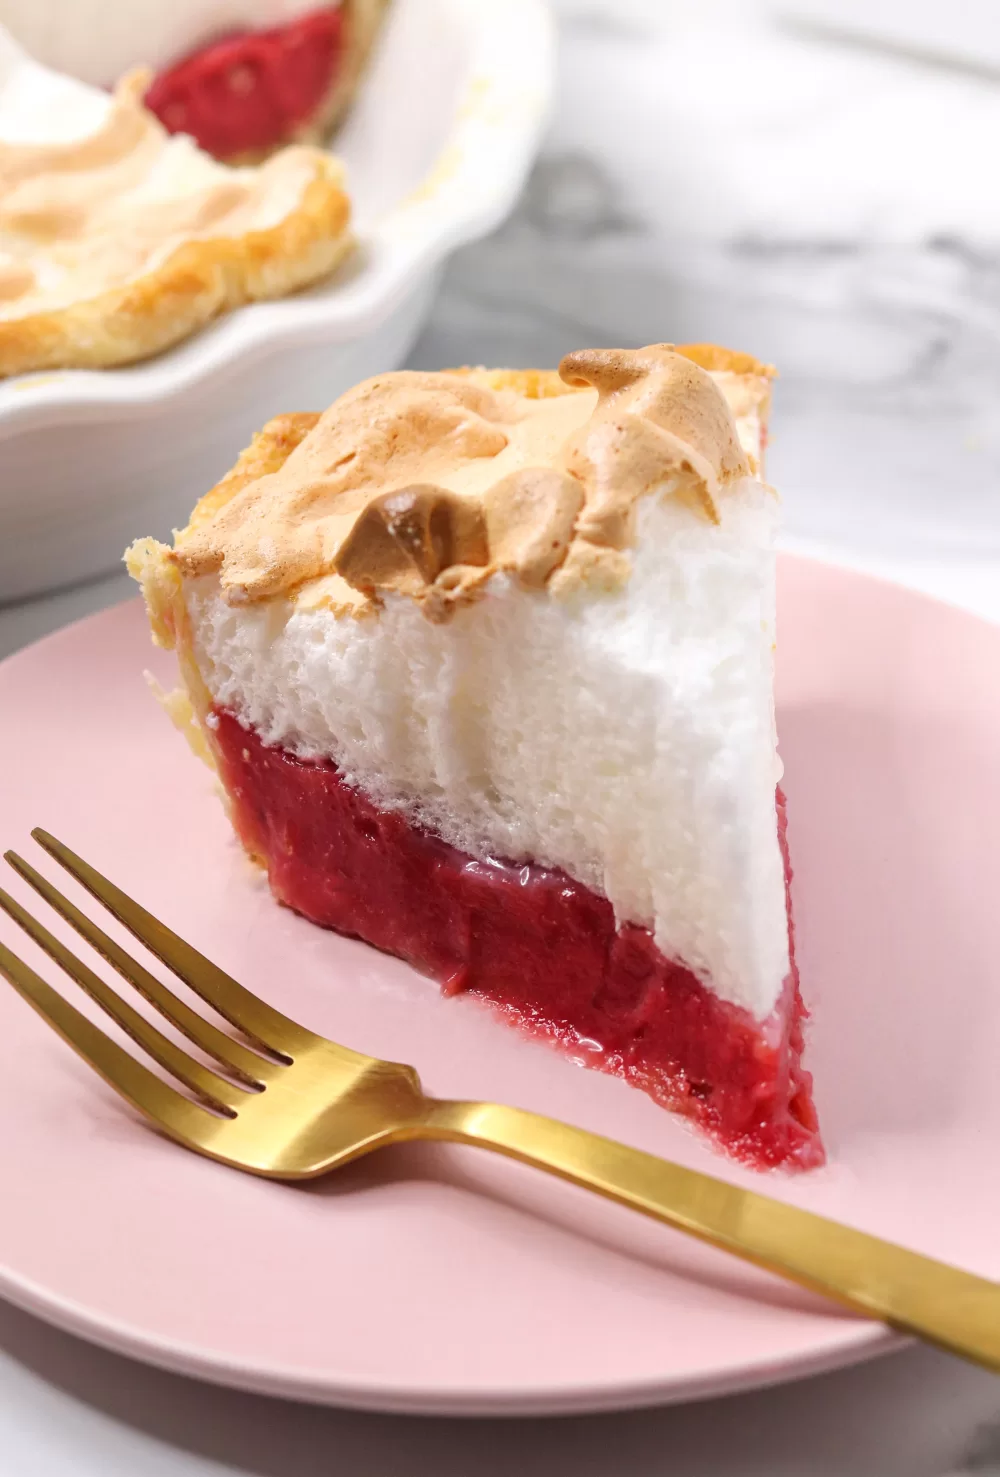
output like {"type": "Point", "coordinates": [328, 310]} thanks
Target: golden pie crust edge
{"type": "Point", "coordinates": [201, 280]}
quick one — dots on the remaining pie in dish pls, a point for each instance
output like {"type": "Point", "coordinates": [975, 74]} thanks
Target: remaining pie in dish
{"type": "Point", "coordinates": [117, 240]}
{"type": "Point", "coordinates": [242, 77]}
{"type": "Point", "coordinates": [484, 660]}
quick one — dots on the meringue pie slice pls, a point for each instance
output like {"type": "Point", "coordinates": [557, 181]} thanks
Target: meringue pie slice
{"type": "Point", "coordinates": [118, 240]}
{"type": "Point", "coordinates": [484, 661]}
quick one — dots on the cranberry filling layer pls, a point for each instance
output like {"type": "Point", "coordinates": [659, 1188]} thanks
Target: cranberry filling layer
{"type": "Point", "coordinates": [543, 948]}
{"type": "Point", "coordinates": [251, 90]}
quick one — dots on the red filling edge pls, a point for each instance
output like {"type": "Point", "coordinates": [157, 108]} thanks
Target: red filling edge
{"type": "Point", "coordinates": [249, 91]}
{"type": "Point", "coordinates": [541, 948]}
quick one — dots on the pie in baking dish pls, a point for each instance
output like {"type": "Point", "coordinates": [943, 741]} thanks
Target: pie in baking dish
{"type": "Point", "coordinates": [484, 661]}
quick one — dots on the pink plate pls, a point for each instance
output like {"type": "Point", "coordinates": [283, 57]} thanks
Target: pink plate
{"type": "Point", "coordinates": [441, 1280]}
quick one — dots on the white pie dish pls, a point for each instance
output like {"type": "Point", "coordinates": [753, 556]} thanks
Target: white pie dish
{"type": "Point", "coordinates": [437, 147]}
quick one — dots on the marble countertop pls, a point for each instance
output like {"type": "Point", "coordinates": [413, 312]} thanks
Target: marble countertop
{"type": "Point", "coordinates": [887, 451]}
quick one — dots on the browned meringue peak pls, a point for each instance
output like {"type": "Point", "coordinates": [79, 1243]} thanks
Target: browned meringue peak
{"type": "Point", "coordinates": [126, 129]}
{"type": "Point", "coordinates": [288, 526]}
{"type": "Point", "coordinates": [428, 484]}
{"type": "Point", "coordinates": [654, 423]}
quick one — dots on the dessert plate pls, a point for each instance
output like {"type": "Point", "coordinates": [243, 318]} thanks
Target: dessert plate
{"type": "Point", "coordinates": [437, 1279]}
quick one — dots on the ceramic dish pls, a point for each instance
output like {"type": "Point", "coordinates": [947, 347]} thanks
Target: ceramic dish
{"type": "Point", "coordinates": [437, 146]}
{"type": "Point", "coordinates": [441, 1280]}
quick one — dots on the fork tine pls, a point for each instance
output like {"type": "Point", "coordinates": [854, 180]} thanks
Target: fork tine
{"type": "Point", "coordinates": [178, 1115]}
{"type": "Point", "coordinates": [249, 1014]}
{"type": "Point", "coordinates": [236, 1058]}
{"type": "Point", "coordinates": [215, 1090]}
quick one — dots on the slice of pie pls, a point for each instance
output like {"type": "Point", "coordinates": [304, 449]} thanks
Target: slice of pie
{"type": "Point", "coordinates": [484, 660]}
{"type": "Point", "coordinates": [117, 240]}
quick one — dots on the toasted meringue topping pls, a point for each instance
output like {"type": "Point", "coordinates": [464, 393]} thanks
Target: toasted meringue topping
{"type": "Point", "coordinates": [96, 211]}
{"type": "Point", "coordinates": [429, 484]}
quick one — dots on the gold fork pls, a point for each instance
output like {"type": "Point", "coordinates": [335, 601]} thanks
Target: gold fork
{"type": "Point", "coordinates": [292, 1105]}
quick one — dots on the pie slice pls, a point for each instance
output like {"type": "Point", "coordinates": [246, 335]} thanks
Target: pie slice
{"type": "Point", "coordinates": [484, 660]}
{"type": "Point", "coordinates": [117, 241]}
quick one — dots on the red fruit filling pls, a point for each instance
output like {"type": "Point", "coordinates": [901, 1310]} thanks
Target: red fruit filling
{"type": "Point", "coordinates": [541, 947]}
{"type": "Point", "coordinates": [249, 91]}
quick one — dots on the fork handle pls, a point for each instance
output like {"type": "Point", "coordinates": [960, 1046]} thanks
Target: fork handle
{"type": "Point", "coordinates": [915, 1294]}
